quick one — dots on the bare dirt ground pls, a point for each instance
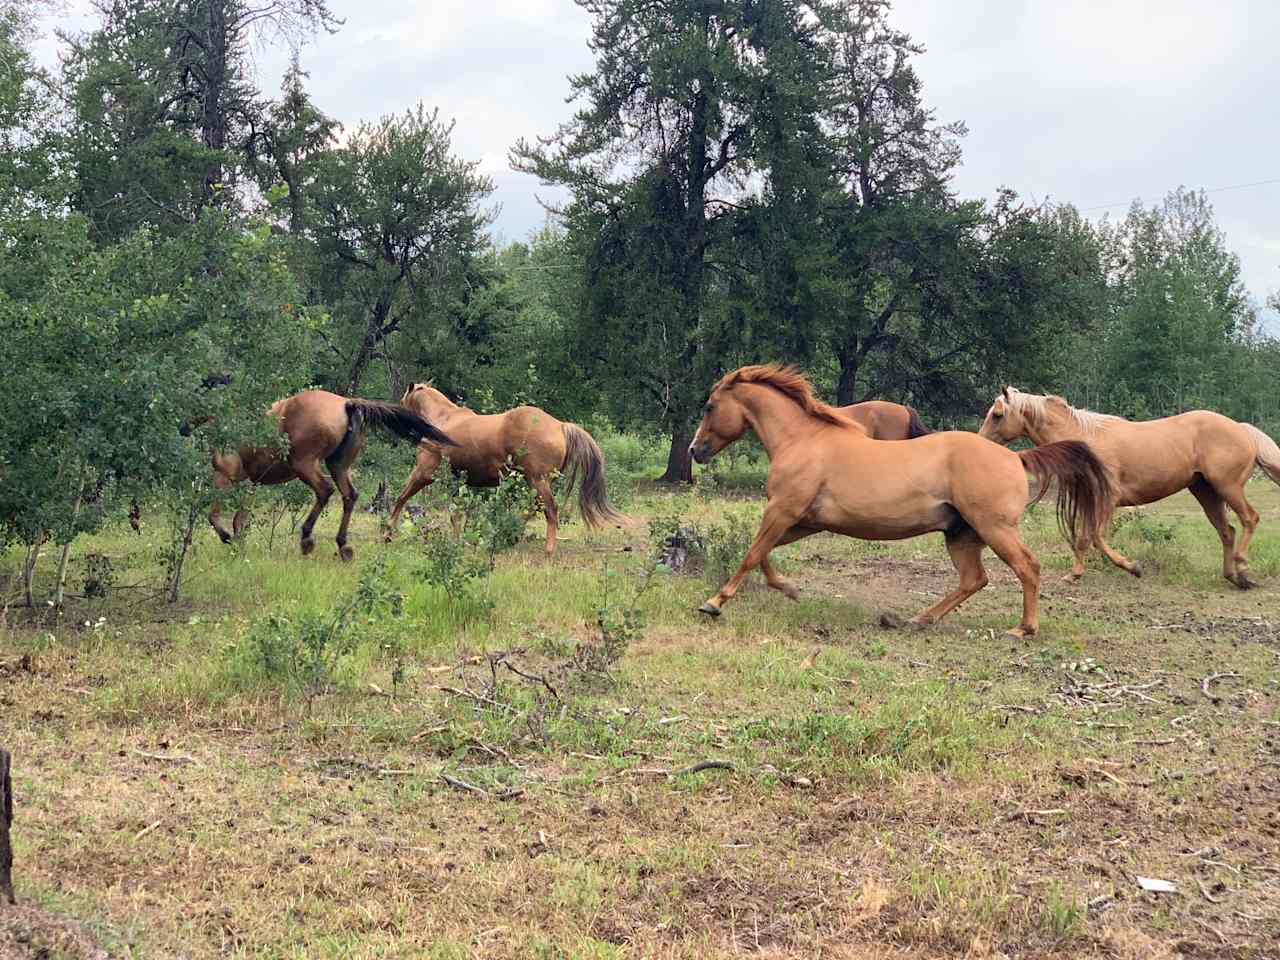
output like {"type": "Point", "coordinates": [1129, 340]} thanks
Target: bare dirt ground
{"type": "Point", "coordinates": [886, 793]}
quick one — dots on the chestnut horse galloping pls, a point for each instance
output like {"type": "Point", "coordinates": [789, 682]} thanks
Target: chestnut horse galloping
{"type": "Point", "coordinates": [825, 474]}
{"type": "Point", "coordinates": [886, 421]}
{"type": "Point", "coordinates": [534, 441]}
{"type": "Point", "coordinates": [1201, 451]}
{"type": "Point", "coordinates": [321, 427]}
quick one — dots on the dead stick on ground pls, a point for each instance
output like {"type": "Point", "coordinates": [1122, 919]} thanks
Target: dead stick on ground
{"type": "Point", "coordinates": [1205, 890]}
{"type": "Point", "coordinates": [167, 758]}
{"type": "Point", "coordinates": [1204, 684]}
{"type": "Point", "coordinates": [463, 785]}
{"type": "Point", "coordinates": [6, 819]}
{"type": "Point", "coordinates": [147, 829]}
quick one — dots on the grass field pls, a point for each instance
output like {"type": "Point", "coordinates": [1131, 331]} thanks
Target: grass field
{"type": "Point", "coordinates": [883, 792]}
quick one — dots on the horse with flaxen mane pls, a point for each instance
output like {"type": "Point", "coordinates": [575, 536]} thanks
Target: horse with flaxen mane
{"type": "Point", "coordinates": [826, 474]}
{"type": "Point", "coordinates": [1201, 451]}
{"type": "Point", "coordinates": [321, 427]}
{"type": "Point", "coordinates": [886, 421]}
{"type": "Point", "coordinates": [532, 440]}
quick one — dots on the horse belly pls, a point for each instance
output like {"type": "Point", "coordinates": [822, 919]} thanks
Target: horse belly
{"type": "Point", "coordinates": [868, 520]}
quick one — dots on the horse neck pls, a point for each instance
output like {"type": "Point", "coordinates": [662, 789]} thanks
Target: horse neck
{"type": "Point", "coordinates": [776, 419]}
{"type": "Point", "coordinates": [1056, 424]}
{"type": "Point", "coordinates": [437, 407]}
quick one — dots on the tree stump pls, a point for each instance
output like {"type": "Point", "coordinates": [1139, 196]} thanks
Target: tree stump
{"type": "Point", "coordinates": [6, 819]}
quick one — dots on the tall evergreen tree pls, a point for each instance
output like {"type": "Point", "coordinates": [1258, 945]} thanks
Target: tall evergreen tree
{"type": "Point", "coordinates": [684, 107]}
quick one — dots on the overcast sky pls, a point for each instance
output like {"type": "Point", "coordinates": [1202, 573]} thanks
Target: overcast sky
{"type": "Point", "coordinates": [1093, 103]}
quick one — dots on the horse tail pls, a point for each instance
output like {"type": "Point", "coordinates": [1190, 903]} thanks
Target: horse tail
{"type": "Point", "coordinates": [915, 426]}
{"type": "Point", "coordinates": [392, 417]}
{"type": "Point", "coordinates": [1268, 455]}
{"type": "Point", "coordinates": [1085, 492]}
{"type": "Point", "coordinates": [583, 455]}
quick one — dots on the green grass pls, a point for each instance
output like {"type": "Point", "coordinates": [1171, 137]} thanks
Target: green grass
{"type": "Point", "coordinates": [884, 785]}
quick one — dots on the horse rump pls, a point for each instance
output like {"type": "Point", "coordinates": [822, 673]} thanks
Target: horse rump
{"type": "Point", "coordinates": [1085, 492]}
{"type": "Point", "coordinates": [915, 426]}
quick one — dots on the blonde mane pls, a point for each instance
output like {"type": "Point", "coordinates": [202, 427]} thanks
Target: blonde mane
{"type": "Point", "coordinates": [1035, 409]}
{"type": "Point", "coordinates": [791, 383]}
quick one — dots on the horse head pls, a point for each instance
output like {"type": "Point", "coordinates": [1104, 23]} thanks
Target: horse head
{"type": "Point", "coordinates": [1006, 420]}
{"type": "Point", "coordinates": [724, 420]}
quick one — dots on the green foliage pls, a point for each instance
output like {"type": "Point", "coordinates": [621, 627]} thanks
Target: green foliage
{"type": "Point", "coordinates": [485, 523]}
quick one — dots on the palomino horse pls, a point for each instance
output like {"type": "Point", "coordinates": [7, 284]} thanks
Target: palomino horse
{"type": "Point", "coordinates": [320, 426]}
{"type": "Point", "coordinates": [886, 421]}
{"type": "Point", "coordinates": [1204, 452]}
{"type": "Point", "coordinates": [826, 474]}
{"type": "Point", "coordinates": [535, 442]}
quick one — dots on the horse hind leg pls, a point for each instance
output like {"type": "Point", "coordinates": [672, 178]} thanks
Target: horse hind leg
{"type": "Point", "coordinates": [341, 472]}
{"type": "Point", "coordinates": [309, 473]}
{"type": "Point", "coordinates": [549, 511]}
{"type": "Point", "coordinates": [1215, 508]}
{"type": "Point", "coordinates": [424, 470]}
{"type": "Point", "coordinates": [965, 549]}
{"type": "Point", "coordinates": [1235, 498]}
{"type": "Point", "coordinates": [1007, 544]}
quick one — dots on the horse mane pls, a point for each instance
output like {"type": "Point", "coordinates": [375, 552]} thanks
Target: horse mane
{"type": "Point", "coordinates": [791, 383]}
{"type": "Point", "coordinates": [1035, 408]}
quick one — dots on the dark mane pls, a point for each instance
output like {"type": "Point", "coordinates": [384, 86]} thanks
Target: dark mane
{"type": "Point", "coordinates": [791, 383]}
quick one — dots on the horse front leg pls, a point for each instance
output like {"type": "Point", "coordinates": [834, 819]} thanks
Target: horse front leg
{"type": "Point", "coordinates": [777, 522]}
{"type": "Point", "coordinates": [424, 470]}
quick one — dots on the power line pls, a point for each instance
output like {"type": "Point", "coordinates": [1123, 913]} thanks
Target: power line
{"type": "Point", "coordinates": [1235, 186]}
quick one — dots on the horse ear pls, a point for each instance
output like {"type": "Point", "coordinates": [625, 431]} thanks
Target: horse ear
{"type": "Point", "coordinates": [1005, 391]}
{"type": "Point", "coordinates": [998, 407]}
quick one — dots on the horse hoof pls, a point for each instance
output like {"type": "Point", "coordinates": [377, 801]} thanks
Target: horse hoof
{"type": "Point", "coordinates": [346, 553]}
{"type": "Point", "coordinates": [224, 537]}
{"type": "Point", "coordinates": [916, 623]}
{"type": "Point", "coordinates": [1072, 578]}
{"type": "Point", "coordinates": [709, 610]}
{"type": "Point", "coordinates": [1020, 633]}
{"type": "Point", "coordinates": [1241, 580]}
{"type": "Point", "coordinates": [791, 593]}
{"type": "Point", "coordinates": [1136, 570]}
{"type": "Point", "coordinates": [308, 546]}
{"type": "Point", "coordinates": [890, 621]}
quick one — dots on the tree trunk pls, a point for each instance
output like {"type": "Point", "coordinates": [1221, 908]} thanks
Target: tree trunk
{"type": "Point", "coordinates": [374, 334]}
{"type": "Point", "coordinates": [29, 573]}
{"type": "Point", "coordinates": [175, 585]}
{"type": "Point", "coordinates": [6, 819]}
{"type": "Point", "coordinates": [679, 463]}
{"type": "Point", "coordinates": [849, 361]}
{"type": "Point", "coordinates": [214, 98]}
{"type": "Point", "coordinates": [60, 589]}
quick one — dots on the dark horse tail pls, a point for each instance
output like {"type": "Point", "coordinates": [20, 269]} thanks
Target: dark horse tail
{"type": "Point", "coordinates": [583, 454]}
{"type": "Point", "coordinates": [1084, 487]}
{"type": "Point", "coordinates": [915, 426]}
{"type": "Point", "coordinates": [392, 417]}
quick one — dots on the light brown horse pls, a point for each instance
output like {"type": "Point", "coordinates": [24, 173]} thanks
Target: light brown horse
{"type": "Point", "coordinates": [535, 442]}
{"type": "Point", "coordinates": [825, 474]}
{"type": "Point", "coordinates": [320, 427]}
{"type": "Point", "coordinates": [886, 421]}
{"type": "Point", "coordinates": [1201, 451]}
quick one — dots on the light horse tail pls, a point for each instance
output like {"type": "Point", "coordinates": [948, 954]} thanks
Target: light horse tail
{"type": "Point", "coordinates": [1268, 455]}
{"type": "Point", "coordinates": [392, 417]}
{"type": "Point", "coordinates": [1085, 494]}
{"type": "Point", "coordinates": [583, 454]}
{"type": "Point", "coordinates": [915, 426]}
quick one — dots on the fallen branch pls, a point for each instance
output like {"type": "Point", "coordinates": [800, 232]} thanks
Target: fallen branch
{"type": "Point", "coordinates": [167, 757]}
{"type": "Point", "coordinates": [704, 765]}
{"type": "Point", "coordinates": [1018, 707]}
{"type": "Point", "coordinates": [1204, 684]}
{"type": "Point", "coordinates": [1028, 814]}
{"type": "Point", "coordinates": [463, 785]}
{"type": "Point", "coordinates": [479, 698]}
{"type": "Point", "coordinates": [147, 829]}
{"type": "Point", "coordinates": [1205, 891]}
{"type": "Point", "coordinates": [6, 819]}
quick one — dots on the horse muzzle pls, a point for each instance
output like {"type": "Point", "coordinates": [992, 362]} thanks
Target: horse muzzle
{"type": "Point", "coordinates": [701, 452]}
